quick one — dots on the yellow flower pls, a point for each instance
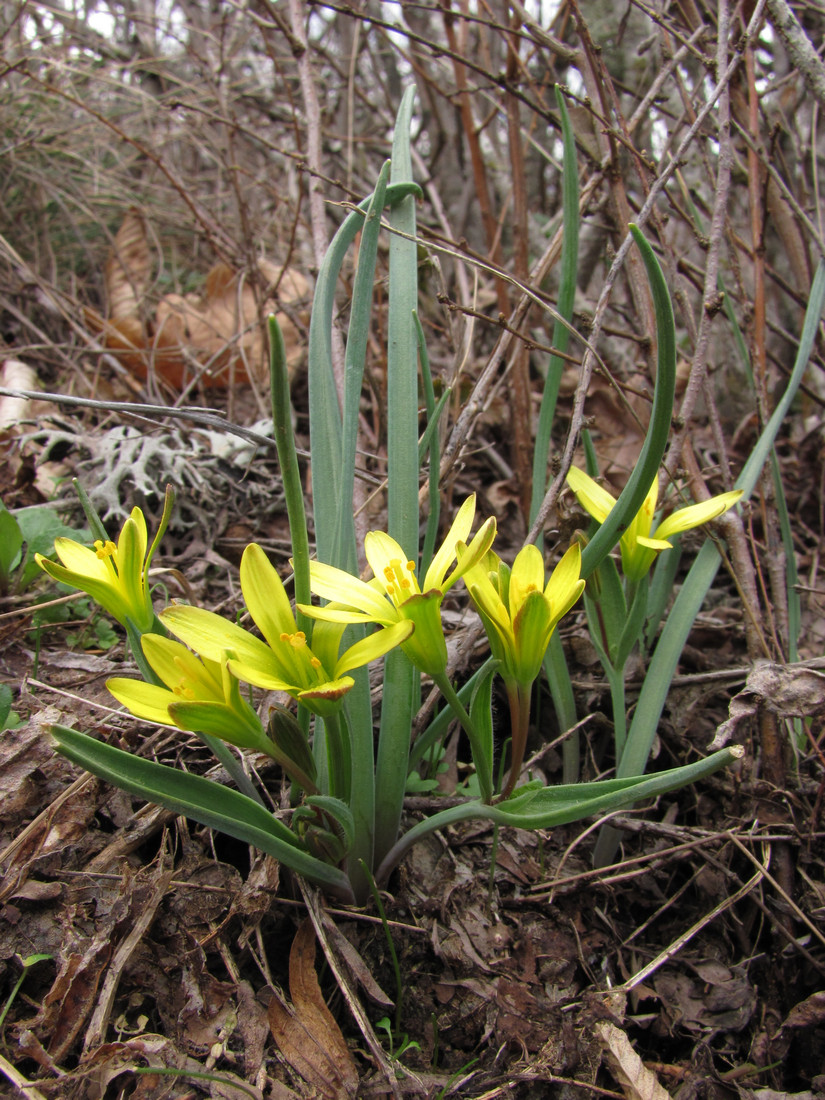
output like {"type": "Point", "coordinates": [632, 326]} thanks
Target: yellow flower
{"type": "Point", "coordinates": [201, 696]}
{"type": "Point", "coordinates": [394, 596]}
{"type": "Point", "coordinates": [520, 613]}
{"type": "Point", "coordinates": [639, 547]}
{"type": "Point", "coordinates": [284, 661]}
{"type": "Point", "coordinates": [519, 610]}
{"type": "Point", "coordinates": [115, 576]}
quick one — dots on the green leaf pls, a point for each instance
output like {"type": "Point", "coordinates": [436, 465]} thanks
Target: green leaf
{"type": "Point", "coordinates": [549, 806]}
{"type": "Point", "coordinates": [356, 357]}
{"type": "Point", "coordinates": [647, 466]}
{"type": "Point", "coordinates": [202, 800]}
{"type": "Point", "coordinates": [634, 623]}
{"type": "Point", "coordinates": [401, 679]}
{"type": "Point", "coordinates": [9, 719]}
{"type": "Point", "coordinates": [539, 807]}
{"type": "Point", "coordinates": [11, 541]}
{"type": "Point", "coordinates": [290, 470]}
{"type": "Point", "coordinates": [692, 594]}
{"type": "Point", "coordinates": [40, 526]}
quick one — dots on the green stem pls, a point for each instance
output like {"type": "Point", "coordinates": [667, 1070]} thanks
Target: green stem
{"type": "Point", "coordinates": [519, 697]}
{"type": "Point", "coordinates": [485, 778]}
{"type": "Point", "coordinates": [615, 677]}
{"type": "Point", "coordinates": [338, 757]}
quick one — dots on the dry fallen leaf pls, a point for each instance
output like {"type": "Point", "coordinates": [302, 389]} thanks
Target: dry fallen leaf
{"type": "Point", "coordinates": [789, 691]}
{"type": "Point", "coordinates": [636, 1080]}
{"type": "Point", "coordinates": [218, 335]}
{"type": "Point", "coordinates": [15, 375]}
{"type": "Point", "coordinates": [306, 1032]}
{"type": "Point", "coordinates": [127, 268]}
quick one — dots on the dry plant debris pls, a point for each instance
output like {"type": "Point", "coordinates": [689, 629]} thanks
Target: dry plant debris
{"type": "Point", "coordinates": [216, 337]}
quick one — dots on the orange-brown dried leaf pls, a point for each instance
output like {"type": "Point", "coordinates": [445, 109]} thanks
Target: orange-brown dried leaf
{"type": "Point", "coordinates": [128, 268]}
{"type": "Point", "coordinates": [307, 1034]}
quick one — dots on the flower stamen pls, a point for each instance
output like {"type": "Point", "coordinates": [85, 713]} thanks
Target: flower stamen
{"type": "Point", "coordinates": [105, 549]}
{"type": "Point", "coordinates": [183, 690]}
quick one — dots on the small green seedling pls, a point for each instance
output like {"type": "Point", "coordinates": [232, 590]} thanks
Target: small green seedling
{"type": "Point", "coordinates": [406, 1043]}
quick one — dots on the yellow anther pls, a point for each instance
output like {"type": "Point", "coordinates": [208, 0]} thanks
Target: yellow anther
{"type": "Point", "coordinates": [411, 566]}
{"type": "Point", "coordinates": [104, 549]}
{"type": "Point", "coordinates": [315, 662]}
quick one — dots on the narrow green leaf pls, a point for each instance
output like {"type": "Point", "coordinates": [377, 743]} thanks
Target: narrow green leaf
{"type": "Point", "coordinates": [200, 799]}
{"type": "Point", "coordinates": [545, 807]}
{"type": "Point", "coordinates": [400, 677]}
{"type": "Point", "coordinates": [653, 448]}
{"type": "Point", "coordinates": [634, 623]}
{"type": "Point", "coordinates": [290, 470]}
{"type": "Point", "coordinates": [356, 356]}
{"type": "Point", "coordinates": [325, 413]}
{"type": "Point", "coordinates": [564, 307]}
{"type": "Point", "coordinates": [692, 594]}
{"type": "Point", "coordinates": [437, 729]}
{"type": "Point", "coordinates": [94, 520]}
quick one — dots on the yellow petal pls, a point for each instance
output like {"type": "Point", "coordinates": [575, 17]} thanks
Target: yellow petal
{"type": "Point", "coordinates": [81, 560]}
{"type": "Point", "coordinates": [173, 662]}
{"type": "Point", "coordinates": [566, 577]}
{"type": "Point", "coordinates": [470, 555]}
{"type": "Point", "coordinates": [592, 497]}
{"type": "Point", "coordinates": [211, 636]}
{"type": "Point", "coordinates": [143, 700]}
{"type": "Point", "coordinates": [264, 594]}
{"type": "Point", "coordinates": [655, 544]}
{"type": "Point", "coordinates": [696, 514]}
{"type": "Point", "coordinates": [532, 627]}
{"type": "Point", "coordinates": [643, 520]}
{"type": "Point", "coordinates": [131, 551]}
{"type": "Point", "coordinates": [381, 549]}
{"type": "Point", "coordinates": [263, 675]}
{"type": "Point", "coordinates": [444, 556]}
{"type": "Point", "coordinates": [334, 584]}
{"type": "Point", "coordinates": [526, 576]}
{"type": "Point", "coordinates": [335, 613]}
{"type": "Point", "coordinates": [376, 645]}
{"type": "Point", "coordinates": [139, 520]}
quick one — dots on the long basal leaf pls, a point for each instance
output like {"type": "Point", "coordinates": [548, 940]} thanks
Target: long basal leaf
{"type": "Point", "coordinates": [546, 807]}
{"type": "Point", "coordinates": [400, 678]}
{"type": "Point", "coordinates": [692, 594]}
{"type": "Point", "coordinates": [201, 799]}
{"type": "Point", "coordinates": [647, 466]}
